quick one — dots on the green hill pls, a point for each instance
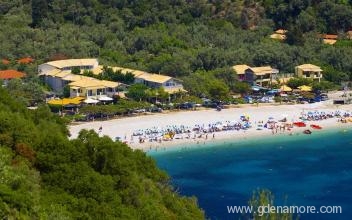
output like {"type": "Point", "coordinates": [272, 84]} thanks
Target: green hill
{"type": "Point", "coordinates": [46, 176]}
{"type": "Point", "coordinates": [177, 37]}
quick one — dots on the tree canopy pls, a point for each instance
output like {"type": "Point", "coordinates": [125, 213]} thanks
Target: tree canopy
{"type": "Point", "coordinates": [44, 175]}
{"type": "Point", "coordinates": [178, 38]}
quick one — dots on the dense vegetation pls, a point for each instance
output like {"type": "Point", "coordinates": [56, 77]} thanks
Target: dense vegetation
{"type": "Point", "coordinates": [186, 39]}
{"type": "Point", "coordinates": [46, 176]}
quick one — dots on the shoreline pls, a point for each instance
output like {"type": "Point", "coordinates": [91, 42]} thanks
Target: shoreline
{"type": "Point", "coordinates": [231, 139]}
{"type": "Point", "coordinates": [125, 127]}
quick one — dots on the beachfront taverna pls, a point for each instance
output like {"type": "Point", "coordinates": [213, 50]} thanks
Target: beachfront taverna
{"type": "Point", "coordinates": [152, 80]}
{"type": "Point", "coordinates": [58, 74]}
{"type": "Point", "coordinates": [309, 71]}
{"type": "Point", "coordinates": [262, 76]}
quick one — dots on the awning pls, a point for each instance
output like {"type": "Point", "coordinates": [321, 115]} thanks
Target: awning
{"type": "Point", "coordinates": [91, 101]}
{"type": "Point", "coordinates": [285, 88]}
{"type": "Point", "coordinates": [305, 88]}
{"type": "Point", "coordinates": [66, 101]}
{"type": "Point", "coordinates": [105, 98]}
{"type": "Point", "coordinates": [257, 88]}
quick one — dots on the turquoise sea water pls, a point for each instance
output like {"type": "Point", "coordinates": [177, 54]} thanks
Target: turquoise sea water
{"type": "Point", "coordinates": [314, 170]}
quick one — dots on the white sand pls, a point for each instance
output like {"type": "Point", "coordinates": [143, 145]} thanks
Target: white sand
{"type": "Point", "coordinates": [124, 127]}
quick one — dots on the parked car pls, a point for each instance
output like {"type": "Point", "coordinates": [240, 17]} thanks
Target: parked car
{"type": "Point", "coordinates": [187, 105]}
{"type": "Point", "coordinates": [155, 109]}
{"type": "Point", "coordinates": [139, 110]}
{"type": "Point", "coordinates": [303, 100]}
{"type": "Point", "coordinates": [248, 99]}
{"type": "Point", "coordinates": [324, 97]}
{"type": "Point", "coordinates": [210, 104]}
{"type": "Point", "coordinates": [317, 99]}
{"type": "Point", "coordinates": [267, 99]}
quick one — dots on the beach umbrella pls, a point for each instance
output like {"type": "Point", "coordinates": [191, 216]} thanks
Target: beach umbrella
{"type": "Point", "coordinates": [285, 88]}
{"type": "Point", "coordinates": [271, 118]}
{"type": "Point", "coordinates": [105, 98]}
{"type": "Point", "coordinates": [255, 88]}
{"type": "Point", "coordinates": [66, 101]}
{"type": "Point", "coordinates": [305, 88]}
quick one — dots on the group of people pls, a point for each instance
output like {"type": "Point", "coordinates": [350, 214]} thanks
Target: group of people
{"type": "Point", "coordinates": [207, 131]}
{"type": "Point", "coordinates": [318, 116]}
{"type": "Point", "coordinates": [198, 131]}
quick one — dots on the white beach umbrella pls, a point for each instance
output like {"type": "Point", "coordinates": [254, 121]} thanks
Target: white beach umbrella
{"type": "Point", "coordinates": [105, 98]}
{"type": "Point", "coordinates": [90, 101]}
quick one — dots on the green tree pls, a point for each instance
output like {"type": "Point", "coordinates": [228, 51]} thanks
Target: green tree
{"type": "Point", "coordinates": [137, 92]}
{"type": "Point", "coordinates": [66, 91]}
{"type": "Point", "coordinates": [46, 175]}
{"type": "Point", "coordinates": [324, 86]}
{"type": "Point", "coordinates": [76, 70]}
{"type": "Point", "coordinates": [294, 36]}
{"type": "Point", "coordinates": [39, 11]}
{"type": "Point", "coordinates": [241, 87]}
{"type": "Point", "coordinates": [264, 198]}
{"type": "Point", "coordinates": [218, 90]}
{"type": "Point", "coordinates": [296, 82]}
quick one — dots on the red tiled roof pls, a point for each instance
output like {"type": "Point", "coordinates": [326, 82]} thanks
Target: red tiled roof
{"type": "Point", "coordinates": [349, 34]}
{"type": "Point", "coordinates": [11, 74]}
{"type": "Point", "coordinates": [5, 61]}
{"type": "Point", "coordinates": [330, 36]}
{"type": "Point", "coordinates": [25, 60]}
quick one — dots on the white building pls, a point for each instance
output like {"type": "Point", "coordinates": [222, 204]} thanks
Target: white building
{"type": "Point", "coordinates": [57, 74]}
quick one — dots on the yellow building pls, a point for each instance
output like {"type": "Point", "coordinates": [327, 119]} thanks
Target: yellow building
{"type": "Point", "coordinates": [309, 71]}
{"type": "Point", "coordinates": [279, 34]}
{"type": "Point", "coordinates": [58, 74]}
{"type": "Point", "coordinates": [90, 87]}
{"type": "Point", "coordinates": [152, 80]}
{"type": "Point", "coordinates": [261, 76]}
{"type": "Point", "coordinates": [240, 70]}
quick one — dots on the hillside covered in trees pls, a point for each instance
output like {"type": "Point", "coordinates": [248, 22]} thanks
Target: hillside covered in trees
{"type": "Point", "coordinates": [46, 176]}
{"type": "Point", "coordinates": [179, 37]}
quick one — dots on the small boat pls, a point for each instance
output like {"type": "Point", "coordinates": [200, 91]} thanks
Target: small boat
{"type": "Point", "coordinates": [316, 126]}
{"type": "Point", "coordinates": [283, 120]}
{"type": "Point", "coordinates": [307, 132]}
{"type": "Point", "coordinates": [299, 124]}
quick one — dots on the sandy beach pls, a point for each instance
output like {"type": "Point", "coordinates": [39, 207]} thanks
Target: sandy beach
{"type": "Point", "coordinates": [125, 127]}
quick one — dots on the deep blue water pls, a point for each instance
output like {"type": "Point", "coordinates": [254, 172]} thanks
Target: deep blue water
{"type": "Point", "coordinates": [305, 169]}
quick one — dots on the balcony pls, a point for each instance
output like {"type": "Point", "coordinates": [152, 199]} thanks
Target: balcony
{"type": "Point", "coordinates": [313, 76]}
{"type": "Point", "coordinates": [263, 80]}
{"type": "Point", "coordinates": [174, 87]}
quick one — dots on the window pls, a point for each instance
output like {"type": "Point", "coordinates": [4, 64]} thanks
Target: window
{"type": "Point", "coordinates": [110, 89]}
{"type": "Point", "coordinates": [101, 91]}
{"type": "Point", "coordinates": [306, 74]}
{"type": "Point", "coordinates": [170, 84]}
{"type": "Point", "coordinates": [67, 68]}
